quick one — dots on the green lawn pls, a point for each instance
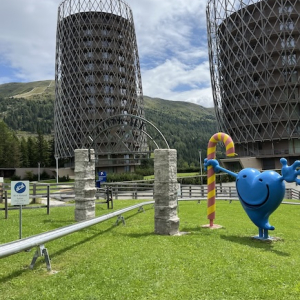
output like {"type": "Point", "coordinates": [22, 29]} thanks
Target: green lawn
{"type": "Point", "coordinates": [131, 262]}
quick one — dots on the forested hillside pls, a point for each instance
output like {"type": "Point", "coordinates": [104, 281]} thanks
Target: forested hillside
{"type": "Point", "coordinates": [186, 126]}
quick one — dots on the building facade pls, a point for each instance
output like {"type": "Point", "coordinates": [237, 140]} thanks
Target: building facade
{"type": "Point", "coordinates": [97, 78]}
{"type": "Point", "coordinates": [254, 50]}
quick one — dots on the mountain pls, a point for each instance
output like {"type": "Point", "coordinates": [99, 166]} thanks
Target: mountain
{"type": "Point", "coordinates": [186, 126]}
{"type": "Point", "coordinates": [37, 90]}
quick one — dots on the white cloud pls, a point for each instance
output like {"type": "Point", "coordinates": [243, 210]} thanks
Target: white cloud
{"type": "Point", "coordinates": [175, 80]}
{"type": "Point", "coordinates": [27, 37]}
{"type": "Point", "coordinates": [171, 36]}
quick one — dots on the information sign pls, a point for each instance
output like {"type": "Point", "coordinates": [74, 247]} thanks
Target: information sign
{"type": "Point", "coordinates": [19, 192]}
{"type": "Point", "coordinates": [102, 176]}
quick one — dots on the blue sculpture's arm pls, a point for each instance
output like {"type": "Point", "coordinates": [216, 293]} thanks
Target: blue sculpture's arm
{"type": "Point", "coordinates": [290, 173]}
{"type": "Point", "coordinates": [217, 168]}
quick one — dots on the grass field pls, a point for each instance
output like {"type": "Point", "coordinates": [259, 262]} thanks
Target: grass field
{"type": "Point", "coordinates": [106, 261]}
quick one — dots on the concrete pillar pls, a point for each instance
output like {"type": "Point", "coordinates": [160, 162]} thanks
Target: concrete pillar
{"type": "Point", "coordinates": [166, 221]}
{"type": "Point", "coordinates": [84, 184]}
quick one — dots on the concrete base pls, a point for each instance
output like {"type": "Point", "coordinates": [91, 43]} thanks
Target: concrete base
{"type": "Point", "coordinates": [215, 226]}
{"type": "Point", "coordinates": [166, 226]}
{"type": "Point", "coordinates": [269, 239]}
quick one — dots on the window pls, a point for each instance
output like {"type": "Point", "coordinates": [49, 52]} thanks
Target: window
{"type": "Point", "coordinates": [289, 59]}
{"type": "Point", "coordinates": [287, 25]}
{"type": "Point", "coordinates": [255, 80]}
{"type": "Point", "coordinates": [90, 78]}
{"type": "Point", "coordinates": [108, 89]}
{"type": "Point", "coordinates": [105, 44]}
{"type": "Point", "coordinates": [91, 110]}
{"type": "Point", "coordinates": [89, 67]}
{"type": "Point", "coordinates": [290, 94]}
{"type": "Point", "coordinates": [284, 9]}
{"type": "Point", "coordinates": [108, 100]}
{"type": "Point", "coordinates": [287, 42]}
{"type": "Point", "coordinates": [91, 89]}
{"type": "Point", "coordinates": [89, 54]}
{"type": "Point", "coordinates": [91, 101]}
{"type": "Point", "coordinates": [88, 43]}
{"type": "Point", "coordinates": [88, 32]}
{"type": "Point", "coordinates": [107, 77]}
{"type": "Point", "coordinates": [291, 76]}
{"type": "Point", "coordinates": [294, 94]}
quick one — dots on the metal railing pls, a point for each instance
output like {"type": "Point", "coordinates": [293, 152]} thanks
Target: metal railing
{"type": "Point", "coordinates": [144, 190]}
{"type": "Point", "coordinates": [131, 190]}
{"type": "Point", "coordinates": [42, 238]}
{"type": "Point", "coordinates": [61, 192]}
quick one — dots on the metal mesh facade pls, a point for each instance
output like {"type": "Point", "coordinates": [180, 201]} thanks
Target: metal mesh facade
{"type": "Point", "coordinates": [97, 77]}
{"type": "Point", "coordinates": [254, 60]}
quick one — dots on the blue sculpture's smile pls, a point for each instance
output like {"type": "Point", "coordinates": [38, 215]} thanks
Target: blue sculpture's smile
{"type": "Point", "coordinates": [258, 204]}
{"type": "Point", "coordinates": [253, 188]}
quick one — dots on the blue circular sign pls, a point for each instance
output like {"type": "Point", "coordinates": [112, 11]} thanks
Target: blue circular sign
{"type": "Point", "coordinates": [20, 187]}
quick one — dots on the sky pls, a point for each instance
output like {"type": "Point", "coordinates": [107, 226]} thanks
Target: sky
{"type": "Point", "coordinates": [171, 37]}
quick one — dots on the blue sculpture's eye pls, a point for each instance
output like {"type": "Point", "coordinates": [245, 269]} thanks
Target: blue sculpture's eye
{"type": "Point", "coordinates": [260, 179]}
{"type": "Point", "coordinates": [244, 176]}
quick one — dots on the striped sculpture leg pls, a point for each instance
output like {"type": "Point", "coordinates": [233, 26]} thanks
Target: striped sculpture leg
{"type": "Point", "coordinates": [211, 176]}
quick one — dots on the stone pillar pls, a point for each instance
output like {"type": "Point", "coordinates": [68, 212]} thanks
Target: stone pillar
{"type": "Point", "coordinates": [166, 221]}
{"type": "Point", "coordinates": [84, 184]}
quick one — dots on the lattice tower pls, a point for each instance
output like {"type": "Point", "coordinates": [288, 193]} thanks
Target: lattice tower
{"type": "Point", "coordinates": [97, 76]}
{"type": "Point", "coordinates": [254, 61]}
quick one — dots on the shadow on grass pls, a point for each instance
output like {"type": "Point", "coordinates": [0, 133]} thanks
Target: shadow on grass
{"type": "Point", "coordinates": [250, 241]}
{"type": "Point", "coordinates": [13, 275]}
{"type": "Point", "coordinates": [57, 253]}
{"type": "Point", "coordinates": [199, 229]}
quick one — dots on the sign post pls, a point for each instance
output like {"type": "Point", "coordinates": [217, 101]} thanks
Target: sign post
{"type": "Point", "coordinates": [1, 189]}
{"type": "Point", "coordinates": [20, 196]}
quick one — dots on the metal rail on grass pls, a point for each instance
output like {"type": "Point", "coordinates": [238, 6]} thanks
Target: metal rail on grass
{"type": "Point", "coordinates": [42, 238]}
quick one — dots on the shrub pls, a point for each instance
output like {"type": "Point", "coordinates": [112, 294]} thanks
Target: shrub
{"type": "Point", "coordinates": [29, 176]}
{"type": "Point", "coordinates": [64, 178]}
{"type": "Point", "coordinates": [124, 177]}
{"type": "Point", "coordinates": [15, 178]}
{"type": "Point", "coordinates": [144, 172]}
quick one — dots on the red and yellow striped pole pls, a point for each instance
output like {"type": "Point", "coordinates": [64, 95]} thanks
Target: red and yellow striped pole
{"type": "Point", "coordinates": [211, 176]}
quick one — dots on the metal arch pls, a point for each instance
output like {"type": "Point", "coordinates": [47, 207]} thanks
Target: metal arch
{"type": "Point", "coordinates": [121, 117]}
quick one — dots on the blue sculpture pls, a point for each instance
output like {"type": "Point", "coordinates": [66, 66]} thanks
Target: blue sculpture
{"type": "Point", "coordinates": [260, 193]}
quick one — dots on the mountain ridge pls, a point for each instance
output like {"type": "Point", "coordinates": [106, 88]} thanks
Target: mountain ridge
{"type": "Point", "coordinates": [186, 126]}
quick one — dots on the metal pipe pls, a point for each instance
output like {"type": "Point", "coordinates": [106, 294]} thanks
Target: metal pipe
{"type": "Point", "coordinates": [37, 240]}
